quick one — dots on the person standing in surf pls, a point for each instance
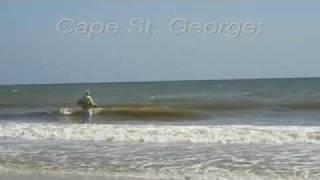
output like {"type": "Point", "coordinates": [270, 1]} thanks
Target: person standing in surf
{"type": "Point", "coordinates": [86, 103]}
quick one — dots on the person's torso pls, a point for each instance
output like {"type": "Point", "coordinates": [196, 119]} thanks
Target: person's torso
{"type": "Point", "coordinates": [85, 102]}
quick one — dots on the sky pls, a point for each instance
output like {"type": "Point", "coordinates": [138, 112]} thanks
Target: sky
{"type": "Point", "coordinates": [33, 50]}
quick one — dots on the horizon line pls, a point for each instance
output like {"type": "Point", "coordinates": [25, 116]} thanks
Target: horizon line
{"type": "Point", "coordinates": [155, 81]}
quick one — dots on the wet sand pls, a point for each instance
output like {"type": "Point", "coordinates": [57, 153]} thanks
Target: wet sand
{"type": "Point", "coordinates": [36, 176]}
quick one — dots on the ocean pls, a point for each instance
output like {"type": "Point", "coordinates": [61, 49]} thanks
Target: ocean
{"type": "Point", "coordinates": [188, 130]}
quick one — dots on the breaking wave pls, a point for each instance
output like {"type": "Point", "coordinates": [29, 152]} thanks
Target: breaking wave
{"type": "Point", "coordinates": [163, 110]}
{"type": "Point", "coordinates": [149, 133]}
{"type": "Point", "coordinates": [143, 111]}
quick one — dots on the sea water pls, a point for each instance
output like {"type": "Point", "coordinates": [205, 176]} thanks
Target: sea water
{"type": "Point", "coordinates": [235, 129]}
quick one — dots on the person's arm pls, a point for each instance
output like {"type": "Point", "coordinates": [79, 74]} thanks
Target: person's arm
{"type": "Point", "coordinates": [80, 102]}
{"type": "Point", "coordinates": [92, 101]}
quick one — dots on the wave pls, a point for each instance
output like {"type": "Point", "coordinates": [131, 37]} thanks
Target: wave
{"type": "Point", "coordinates": [190, 110]}
{"type": "Point", "coordinates": [304, 106]}
{"type": "Point", "coordinates": [215, 105]}
{"type": "Point", "coordinates": [254, 105]}
{"type": "Point", "coordinates": [151, 133]}
{"type": "Point", "coordinates": [128, 111]}
{"type": "Point", "coordinates": [139, 111]}
{"type": "Point", "coordinates": [194, 110]}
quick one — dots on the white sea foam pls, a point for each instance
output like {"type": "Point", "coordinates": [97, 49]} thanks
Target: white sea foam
{"type": "Point", "coordinates": [244, 134]}
{"type": "Point", "coordinates": [214, 173]}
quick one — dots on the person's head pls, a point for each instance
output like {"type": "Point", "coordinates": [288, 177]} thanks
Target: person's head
{"type": "Point", "coordinates": [86, 93]}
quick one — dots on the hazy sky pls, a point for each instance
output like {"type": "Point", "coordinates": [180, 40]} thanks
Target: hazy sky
{"type": "Point", "coordinates": [32, 50]}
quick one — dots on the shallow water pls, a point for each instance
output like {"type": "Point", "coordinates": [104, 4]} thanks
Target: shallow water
{"type": "Point", "coordinates": [246, 129]}
{"type": "Point", "coordinates": [163, 160]}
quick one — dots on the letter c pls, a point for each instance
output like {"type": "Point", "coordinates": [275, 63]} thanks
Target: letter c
{"type": "Point", "coordinates": [63, 21]}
